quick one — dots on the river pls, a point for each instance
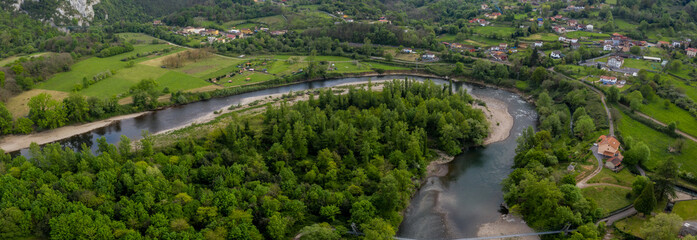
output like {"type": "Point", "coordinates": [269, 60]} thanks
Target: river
{"type": "Point", "coordinates": [469, 196]}
{"type": "Point", "coordinates": [452, 206]}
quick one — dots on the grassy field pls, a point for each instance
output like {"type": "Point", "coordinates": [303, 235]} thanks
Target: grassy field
{"type": "Point", "coordinates": [608, 198]}
{"type": "Point", "coordinates": [94, 65]}
{"type": "Point", "coordinates": [624, 177]}
{"type": "Point", "coordinates": [624, 25]}
{"type": "Point", "coordinates": [122, 81]}
{"type": "Point", "coordinates": [138, 37]}
{"type": "Point", "coordinates": [656, 109]}
{"type": "Point", "coordinates": [641, 64]}
{"type": "Point", "coordinates": [655, 52]}
{"type": "Point", "coordinates": [245, 78]}
{"type": "Point", "coordinates": [17, 105]}
{"type": "Point", "coordinates": [685, 71]}
{"type": "Point", "coordinates": [476, 40]}
{"type": "Point", "coordinates": [282, 67]}
{"type": "Point", "coordinates": [384, 66]}
{"type": "Point", "coordinates": [591, 35]}
{"type": "Point", "coordinates": [690, 91]}
{"type": "Point", "coordinates": [659, 143]}
{"type": "Point", "coordinates": [207, 66]}
{"type": "Point", "coordinates": [501, 31]}
{"type": "Point", "coordinates": [687, 210]}
{"type": "Point", "coordinates": [178, 81]}
{"type": "Point", "coordinates": [349, 67]}
{"type": "Point", "coordinates": [191, 76]}
{"type": "Point", "coordinates": [328, 58]}
{"type": "Point", "coordinates": [9, 60]}
{"type": "Point", "coordinates": [632, 225]}
{"type": "Point", "coordinates": [547, 37]}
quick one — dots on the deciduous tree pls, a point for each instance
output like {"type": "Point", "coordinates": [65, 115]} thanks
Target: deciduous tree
{"type": "Point", "coordinates": [646, 201]}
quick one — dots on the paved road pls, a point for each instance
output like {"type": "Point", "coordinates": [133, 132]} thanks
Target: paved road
{"type": "Point", "coordinates": [618, 216]}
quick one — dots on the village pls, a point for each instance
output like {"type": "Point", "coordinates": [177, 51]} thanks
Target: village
{"type": "Point", "coordinates": [570, 35]}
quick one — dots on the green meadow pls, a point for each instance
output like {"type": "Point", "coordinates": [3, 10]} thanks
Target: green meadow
{"type": "Point", "coordinates": [92, 66]}
{"type": "Point", "coordinates": [608, 198]}
{"type": "Point", "coordinates": [656, 109]}
{"type": "Point", "coordinates": [658, 142]}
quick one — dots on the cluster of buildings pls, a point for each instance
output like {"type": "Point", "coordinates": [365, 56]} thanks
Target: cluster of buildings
{"type": "Point", "coordinates": [459, 47]}
{"type": "Point", "coordinates": [493, 15]}
{"type": "Point", "coordinates": [500, 52]}
{"type": "Point", "coordinates": [621, 43]}
{"type": "Point", "coordinates": [569, 25]}
{"type": "Point", "coordinates": [214, 35]}
{"type": "Point", "coordinates": [480, 22]}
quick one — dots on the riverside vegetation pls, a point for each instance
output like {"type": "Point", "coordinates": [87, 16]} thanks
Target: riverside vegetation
{"type": "Point", "coordinates": [308, 168]}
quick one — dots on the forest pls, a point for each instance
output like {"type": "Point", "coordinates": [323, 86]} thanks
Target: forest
{"type": "Point", "coordinates": [314, 168]}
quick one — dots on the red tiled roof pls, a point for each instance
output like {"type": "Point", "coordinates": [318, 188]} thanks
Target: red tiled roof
{"type": "Point", "coordinates": [612, 141]}
{"type": "Point", "coordinates": [615, 161]}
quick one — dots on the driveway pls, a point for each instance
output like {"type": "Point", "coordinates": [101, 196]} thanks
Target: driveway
{"type": "Point", "coordinates": [583, 182]}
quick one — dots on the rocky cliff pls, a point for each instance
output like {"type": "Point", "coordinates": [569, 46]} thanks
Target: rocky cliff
{"type": "Point", "coordinates": [59, 12]}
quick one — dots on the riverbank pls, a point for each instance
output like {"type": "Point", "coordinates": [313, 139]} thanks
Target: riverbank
{"type": "Point", "coordinates": [13, 143]}
{"type": "Point", "coordinates": [438, 167]}
{"type": "Point", "coordinates": [500, 121]}
{"type": "Point", "coordinates": [507, 224]}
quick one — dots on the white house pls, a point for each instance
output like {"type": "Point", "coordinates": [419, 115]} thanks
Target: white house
{"type": "Point", "coordinates": [615, 62]}
{"type": "Point", "coordinates": [676, 44]}
{"type": "Point", "coordinates": [407, 50]}
{"type": "Point", "coordinates": [692, 52]}
{"type": "Point", "coordinates": [574, 40]}
{"type": "Point", "coordinates": [589, 27]}
{"type": "Point", "coordinates": [562, 39]}
{"type": "Point", "coordinates": [555, 54]}
{"type": "Point", "coordinates": [607, 47]}
{"type": "Point", "coordinates": [538, 44]}
{"type": "Point", "coordinates": [429, 56]}
{"type": "Point", "coordinates": [608, 80]}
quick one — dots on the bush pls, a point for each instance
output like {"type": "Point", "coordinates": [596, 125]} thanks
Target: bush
{"type": "Point", "coordinates": [115, 50]}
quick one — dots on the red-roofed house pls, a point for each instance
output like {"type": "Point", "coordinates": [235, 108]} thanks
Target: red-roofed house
{"type": "Point", "coordinates": [609, 147]}
{"type": "Point", "coordinates": [663, 44]}
{"type": "Point", "coordinates": [692, 52]}
{"type": "Point", "coordinates": [614, 163]}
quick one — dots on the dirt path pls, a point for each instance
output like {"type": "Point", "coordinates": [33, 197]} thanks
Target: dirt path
{"type": "Point", "coordinates": [583, 182]}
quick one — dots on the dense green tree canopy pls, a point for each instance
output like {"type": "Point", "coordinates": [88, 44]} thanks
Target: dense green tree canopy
{"type": "Point", "coordinates": [339, 159]}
